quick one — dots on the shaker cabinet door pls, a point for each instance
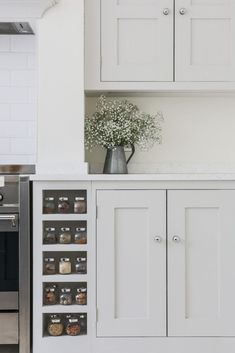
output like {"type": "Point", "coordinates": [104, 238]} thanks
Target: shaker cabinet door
{"type": "Point", "coordinates": [205, 40]}
{"type": "Point", "coordinates": [137, 40]}
{"type": "Point", "coordinates": [201, 263]}
{"type": "Point", "coordinates": [131, 263]}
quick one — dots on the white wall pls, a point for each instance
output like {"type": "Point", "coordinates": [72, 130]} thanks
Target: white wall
{"type": "Point", "coordinates": [18, 108]}
{"type": "Point", "coordinates": [61, 89]}
{"type": "Point", "coordinates": [198, 135]}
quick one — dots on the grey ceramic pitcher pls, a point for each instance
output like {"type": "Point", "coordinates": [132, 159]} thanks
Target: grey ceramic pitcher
{"type": "Point", "coordinates": [115, 161]}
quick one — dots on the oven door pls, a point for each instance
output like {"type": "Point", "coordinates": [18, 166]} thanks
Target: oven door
{"type": "Point", "coordinates": [9, 261]}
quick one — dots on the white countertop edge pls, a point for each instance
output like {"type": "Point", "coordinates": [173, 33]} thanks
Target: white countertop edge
{"type": "Point", "coordinates": [136, 177]}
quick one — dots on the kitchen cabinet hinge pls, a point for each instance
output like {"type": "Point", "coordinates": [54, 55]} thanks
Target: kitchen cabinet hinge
{"type": "Point", "coordinates": [96, 314]}
{"type": "Point", "coordinates": [96, 212]}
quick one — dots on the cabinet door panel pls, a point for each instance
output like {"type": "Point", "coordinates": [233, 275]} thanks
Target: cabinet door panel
{"type": "Point", "coordinates": [131, 266]}
{"type": "Point", "coordinates": [136, 40]}
{"type": "Point", "coordinates": [201, 278]}
{"type": "Point", "coordinates": [205, 40]}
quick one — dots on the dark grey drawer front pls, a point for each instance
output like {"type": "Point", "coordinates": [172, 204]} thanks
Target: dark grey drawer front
{"type": "Point", "coordinates": [9, 328]}
{"type": "Point", "coordinates": [9, 301]}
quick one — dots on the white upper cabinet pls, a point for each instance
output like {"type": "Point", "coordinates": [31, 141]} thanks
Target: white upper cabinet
{"type": "Point", "coordinates": [201, 262]}
{"type": "Point", "coordinates": [137, 40]}
{"type": "Point", "coordinates": [131, 263]}
{"type": "Point", "coordinates": [160, 45]}
{"type": "Point", "coordinates": [205, 40]}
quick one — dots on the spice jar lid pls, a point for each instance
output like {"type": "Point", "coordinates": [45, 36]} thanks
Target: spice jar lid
{"type": "Point", "coordinates": [81, 259]}
{"type": "Point", "coordinates": [83, 229]}
{"type": "Point", "coordinates": [50, 229]}
{"type": "Point", "coordinates": [55, 319]}
{"type": "Point", "coordinates": [81, 290]}
{"type": "Point", "coordinates": [65, 290]}
{"type": "Point", "coordinates": [49, 259]}
{"type": "Point", "coordinates": [65, 229]}
{"type": "Point", "coordinates": [63, 198]}
{"type": "Point", "coordinates": [79, 198]}
{"type": "Point", "coordinates": [73, 320]}
{"type": "Point", "coordinates": [49, 198]}
{"type": "Point", "coordinates": [65, 259]}
{"type": "Point", "coordinates": [50, 289]}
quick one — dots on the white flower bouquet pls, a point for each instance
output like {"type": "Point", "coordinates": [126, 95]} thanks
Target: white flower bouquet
{"type": "Point", "coordinates": [121, 123]}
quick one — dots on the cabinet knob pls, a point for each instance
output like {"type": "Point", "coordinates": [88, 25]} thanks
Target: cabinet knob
{"type": "Point", "coordinates": [176, 239]}
{"type": "Point", "coordinates": [166, 11]}
{"type": "Point", "coordinates": [182, 11]}
{"type": "Point", "coordinates": [157, 239]}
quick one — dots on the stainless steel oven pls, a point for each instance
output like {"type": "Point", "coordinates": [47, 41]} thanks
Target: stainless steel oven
{"type": "Point", "coordinates": [15, 264]}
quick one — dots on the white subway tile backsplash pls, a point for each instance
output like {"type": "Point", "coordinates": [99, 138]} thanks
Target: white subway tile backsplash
{"type": "Point", "coordinates": [5, 146]}
{"type": "Point", "coordinates": [17, 159]}
{"type": "Point", "coordinates": [32, 128]}
{"type": "Point", "coordinates": [23, 112]}
{"type": "Point", "coordinates": [18, 99]}
{"type": "Point", "coordinates": [23, 146]}
{"type": "Point", "coordinates": [13, 61]}
{"type": "Point", "coordinates": [16, 129]}
{"type": "Point", "coordinates": [4, 78]}
{"type": "Point", "coordinates": [33, 95]}
{"type": "Point", "coordinates": [4, 43]}
{"type": "Point", "coordinates": [32, 61]}
{"type": "Point", "coordinates": [23, 78]}
{"type": "Point", "coordinates": [5, 111]}
{"type": "Point", "coordinates": [14, 95]}
{"type": "Point", "coordinates": [23, 44]}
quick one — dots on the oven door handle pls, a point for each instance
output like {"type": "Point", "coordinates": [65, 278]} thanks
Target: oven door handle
{"type": "Point", "coordinates": [9, 217]}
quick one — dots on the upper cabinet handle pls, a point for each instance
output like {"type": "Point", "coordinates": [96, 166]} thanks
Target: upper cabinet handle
{"type": "Point", "coordinates": [176, 239]}
{"type": "Point", "coordinates": [166, 11]}
{"type": "Point", "coordinates": [158, 239]}
{"type": "Point", "coordinates": [182, 11]}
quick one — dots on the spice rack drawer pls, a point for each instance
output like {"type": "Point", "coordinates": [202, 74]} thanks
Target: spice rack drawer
{"type": "Point", "coordinates": [64, 202]}
{"type": "Point", "coordinates": [64, 263]}
{"type": "Point", "coordinates": [66, 324]}
{"type": "Point", "coordinates": [64, 294]}
{"type": "Point", "coordinates": [65, 232]}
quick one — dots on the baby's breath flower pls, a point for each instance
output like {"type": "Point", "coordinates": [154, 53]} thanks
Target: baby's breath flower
{"type": "Point", "coordinates": [121, 123]}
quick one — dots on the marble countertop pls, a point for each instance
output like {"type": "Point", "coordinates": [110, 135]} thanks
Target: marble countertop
{"type": "Point", "coordinates": [136, 177]}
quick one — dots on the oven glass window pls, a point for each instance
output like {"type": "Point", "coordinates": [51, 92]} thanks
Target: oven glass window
{"type": "Point", "coordinates": [9, 261]}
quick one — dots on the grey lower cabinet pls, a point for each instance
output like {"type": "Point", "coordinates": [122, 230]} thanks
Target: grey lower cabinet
{"type": "Point", "coordinates": [136, 295]}
{"type": "Point", "coordinates": [131, 260]}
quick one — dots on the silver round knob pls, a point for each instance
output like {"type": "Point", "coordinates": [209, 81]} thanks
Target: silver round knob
{"type": "Point", "coordinates": [158, 239]}
{"type": "Point", "coordinates": [176, 239]}
{"type": "Point", "coordinates": [182, 11]}
{"type": "Point", "coordinates": [166, 11]}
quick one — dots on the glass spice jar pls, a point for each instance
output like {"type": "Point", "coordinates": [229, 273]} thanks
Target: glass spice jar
{"type": "Point", "coordinates": [63, 205]}
{"type": "Point", "coordinates": [83, 323]}
{"type": "Point", "coordinates": [72, 327]}
{"type": "Point", "coordinates": [55, 327]}
{"type": "Point", "coordinates": [81, 296]}
{"type": "Point", "coordinates": [50, 236]}
{"type": "Point", "coordinates": [50, 295]}
{"type": "Point", "coordinates": [49, 266]}
{"type": "Point", "coordinates": [49, 205]}
{"type": "Point", "coordinates": [65, 266]}
{"type": "Point", "coordinates": [80, 236]}
{"type": "Point", "coordinates": [79, 204]}
{"type": "Point", "coordinates": [66, 296]}
{"type": "Point", "coordinates": [65, 236]}
{"type": "Point", "coordinates": [81, 265]}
